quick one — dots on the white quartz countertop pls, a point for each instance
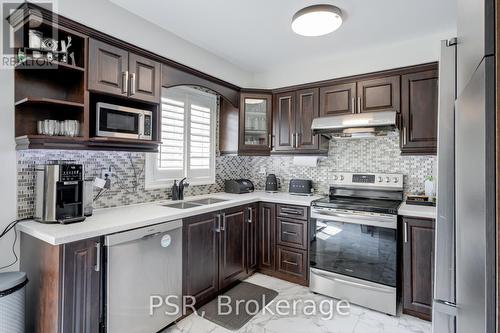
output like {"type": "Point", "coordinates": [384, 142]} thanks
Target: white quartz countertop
{"type": "Point", "coordinates": [112, 220]}
{"type": "Point", "coordinates": [427, 212]}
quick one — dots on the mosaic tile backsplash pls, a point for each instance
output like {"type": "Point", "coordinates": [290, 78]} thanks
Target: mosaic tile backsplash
{"type": "Point", "coordinates": [361, 155]}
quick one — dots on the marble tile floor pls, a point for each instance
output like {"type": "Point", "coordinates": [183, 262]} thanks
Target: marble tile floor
{"type": "Point", "coordinates": [360, 320]}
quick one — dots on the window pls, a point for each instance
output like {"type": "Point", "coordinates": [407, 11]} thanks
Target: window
{"type": "Point", "coordinates": [188, 119]}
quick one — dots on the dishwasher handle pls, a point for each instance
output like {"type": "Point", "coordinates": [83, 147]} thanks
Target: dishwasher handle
{"type": "Point", "coordinates": [141, 233]}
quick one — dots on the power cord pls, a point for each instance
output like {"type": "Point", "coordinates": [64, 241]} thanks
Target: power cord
{"type": "Point", "coordinates": [9, 227]}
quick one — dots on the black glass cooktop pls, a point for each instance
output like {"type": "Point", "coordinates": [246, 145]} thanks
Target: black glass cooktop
{"type": "Point", "coordinates": [361, 204]}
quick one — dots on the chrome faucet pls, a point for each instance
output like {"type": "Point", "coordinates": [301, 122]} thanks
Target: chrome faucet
{"type": "Point", "coordinates": [182, 185]}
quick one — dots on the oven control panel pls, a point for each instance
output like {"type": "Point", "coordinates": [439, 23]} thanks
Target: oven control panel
{"type": "Point", "coordinates": [376, 180]}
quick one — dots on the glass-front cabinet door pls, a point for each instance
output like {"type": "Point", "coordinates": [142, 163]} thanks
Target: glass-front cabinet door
{"type": "Point", "coordinates": [255, 124]}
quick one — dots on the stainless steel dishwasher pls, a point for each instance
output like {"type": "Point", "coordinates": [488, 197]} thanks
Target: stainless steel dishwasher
{"type": "Point", "coordinates": [142, 263]}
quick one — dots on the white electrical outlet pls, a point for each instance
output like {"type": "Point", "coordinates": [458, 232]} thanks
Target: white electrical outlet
{"type": "Point", "coordinates": [262, 170]}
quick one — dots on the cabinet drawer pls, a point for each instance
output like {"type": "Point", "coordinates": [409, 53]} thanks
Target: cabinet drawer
{"type": "Point", "coordinates": [292, 233]}
{"type": "Point", "coordinates": [295, 212]}
{"type": "Point", "coordinates": [292, 262]}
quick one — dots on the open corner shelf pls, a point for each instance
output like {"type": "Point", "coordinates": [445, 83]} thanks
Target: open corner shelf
{"type": "Point", "coordinates": [47, 101]}
{"type": "Point", "coordinates": [82, 143]}
{"type": "Point", "coordinates": [29, 63]}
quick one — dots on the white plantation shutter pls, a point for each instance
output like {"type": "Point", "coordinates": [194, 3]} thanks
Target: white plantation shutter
{"type": "Point", "coordinates": [188, 139]}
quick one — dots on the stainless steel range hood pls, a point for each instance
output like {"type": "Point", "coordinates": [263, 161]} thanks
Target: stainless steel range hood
{"type": "Point", "coordinates": [355, 125]}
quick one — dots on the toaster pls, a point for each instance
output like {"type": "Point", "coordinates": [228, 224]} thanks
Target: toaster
{"type": "Point", "coordinates": [300, 187]}
{"type": "Point", "coordinates": [238, 186]}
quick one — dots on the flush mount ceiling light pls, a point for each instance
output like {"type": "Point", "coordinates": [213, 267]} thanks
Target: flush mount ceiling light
{"type": "Point", "coordinates": [317, 20]}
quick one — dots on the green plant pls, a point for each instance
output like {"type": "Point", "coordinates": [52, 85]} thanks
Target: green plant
{"type": "Point", "coordinates": [429, 178]}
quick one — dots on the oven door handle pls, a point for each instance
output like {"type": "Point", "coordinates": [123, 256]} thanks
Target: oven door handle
{"type": "Point", "coordinates": [376, 220]}
{"type": "Point", "coordinates": [351, 283]}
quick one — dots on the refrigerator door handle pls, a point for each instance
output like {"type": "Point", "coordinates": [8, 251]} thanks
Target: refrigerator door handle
{"type": "Point", "coordinates": [445, 307]}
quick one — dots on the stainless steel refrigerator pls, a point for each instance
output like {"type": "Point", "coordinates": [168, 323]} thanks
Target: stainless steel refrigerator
{"type": "Point", "coordinates": [464, 271]}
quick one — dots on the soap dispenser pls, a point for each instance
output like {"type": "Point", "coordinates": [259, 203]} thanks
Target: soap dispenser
{"type": "Point", "coordinates": [175, 191]}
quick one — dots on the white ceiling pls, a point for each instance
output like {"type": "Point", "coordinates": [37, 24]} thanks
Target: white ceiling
{"type": "Point", "coordinates": [256, 35]}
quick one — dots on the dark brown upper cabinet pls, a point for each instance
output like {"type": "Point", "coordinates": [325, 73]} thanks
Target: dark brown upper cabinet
{"type": "Point", "coordinates": [419, 112]}
{"type": "Point", "coordinates": [108, 68]}
{"type": "Point", "coordinates": [144, 79]}
{"type": "Point", "coordinates": [293, 115]}
{"type": "Point", "coordinates": [418, 263]}
{"type": "Point", "coordinates": [117, 72]}
{"type": "Point", "coordinates": [337, 99]}
{"type": "Point", "coordinates": [255, 137]}
{"type": "Point", "coordinates": [284, 121]}
{"type": "Point", "coordinates": [307, 109]}
{"type": "Point", "coordinates": [370, 95]}
{"type": "Point", "coordinates": [381, 94]}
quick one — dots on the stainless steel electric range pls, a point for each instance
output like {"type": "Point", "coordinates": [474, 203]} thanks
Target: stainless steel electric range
{"type": "Point", "coordinates": [353, 240]}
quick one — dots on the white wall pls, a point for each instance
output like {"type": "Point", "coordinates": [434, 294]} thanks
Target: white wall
{"type": "Point", "coordinates": [410, 52]}
{"type": "Point", "coordinates": [7, 165]}
{"type": "Point", "coordinates": [118, 22]}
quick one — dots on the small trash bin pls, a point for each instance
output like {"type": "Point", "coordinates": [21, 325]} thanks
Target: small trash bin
{"type": "Point", "coordinates": [12, 299]}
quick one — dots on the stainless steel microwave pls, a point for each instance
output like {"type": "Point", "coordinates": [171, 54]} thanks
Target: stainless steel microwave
{"type": "Point", "coordinates": [123, 122]}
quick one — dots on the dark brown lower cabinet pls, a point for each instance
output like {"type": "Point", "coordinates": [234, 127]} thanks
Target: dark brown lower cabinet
{"type": "Point", "coordinates": [232, 246]}
{"type": "Point", "coordinates": [283, 242]}
{"type": "Point", "coordinates": [266, 239]}
{"type": "Point", "coordinates": [64, 289]}
{"type": "Point", "coordinates": [252, 236]}
{"type": "Point", "coordinates": [201, 257]}
{"type": "Point", "coordinates": [220, 248]}
{"type": "Point", "coordinates": [418, 266]}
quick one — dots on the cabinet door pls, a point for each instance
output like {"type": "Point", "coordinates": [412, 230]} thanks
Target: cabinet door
{"type": "Point", "coordinates": [81, 310]}
{"type": "Point", "coordinates": [419, 112]}
{"type": "Point", "coordinates": [307, 109]}
{"type": "Point", "coordinates": [108, 69]}
{"type": "Point", "coordinates": [255, 124]}
{"type": "Point", "coordinates": [284, 121]}
{"type": "Point", "coordinates": [232, 246]}
{"type": "Point", "coordinates": [252, 220]}
{"type": "Point", "coordinates": [337, 99]}
{"type": "Point", "coordinates": [144, 82]}
{"type": "Point", "coordinates": [201, 257]}
{"type": "Point", "coordinates": [379, 95]}
{"type": "Point", "coordinates": [418, 266]}
{"type": "Point", "coordinates": [291, 264]}
{"type": "Point", "coordinates": [267, 232]}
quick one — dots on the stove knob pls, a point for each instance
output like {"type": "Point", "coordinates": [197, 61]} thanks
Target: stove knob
{"type": "Point", "coordinates": [335, 177]}
{"type": "Point", "coordinates": [379, 179]}
{"type": "Point", "coordinates": [387, 179]}
{"type": "Point", "coordinates": [396, 179]}
{"type": "Point", "coordinates": [341, 177]}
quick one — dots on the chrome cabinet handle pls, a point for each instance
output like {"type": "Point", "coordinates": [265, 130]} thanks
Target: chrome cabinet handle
{"type": "Point", "coordinates": [97, 266]}
{"type": "Point", "coordinates": [270, 142]}
{"type": "Point", "coordinates": [405, 233]}
{"type": "Point", "coordinates": [290, 211]}
{"type": "Point", "coordinates": [125, 82]}
{"type": "Point", "coordinates": [404, 136]}
{"type": "Point", "coordinates": [250, 215]}
{"type": "Point", "coordinates": [217, 227]}
{"type": "Point", "coordinates": [290, 262]}
{"type": "Point", "coordinates": [353, 105]}
{"type": "Point", "coordinates": [290, 233]}
{"type": "Point", "coordinates": [132, 84]}
{"type": "Point", "coordinates": [293, 140]}
{"type": "Point", "coordinates": [359, 104]}
{"type": "Point", "coordinates": [223, 226]}
{"type": "Point", "coordinates": [297, 140]}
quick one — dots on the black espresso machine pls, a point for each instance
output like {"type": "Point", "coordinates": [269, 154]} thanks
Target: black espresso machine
{"type": "Point", "coordinates": [59, 192]}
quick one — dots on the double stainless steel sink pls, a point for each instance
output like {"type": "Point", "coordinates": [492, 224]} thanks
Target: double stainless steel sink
{"type": "Point", "coordinates": [194, 203]}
